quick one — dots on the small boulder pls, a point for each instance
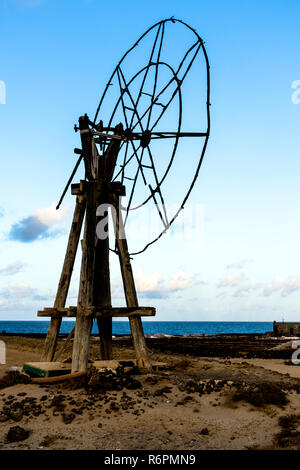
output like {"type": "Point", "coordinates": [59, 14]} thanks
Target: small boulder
{"type": "Point", "coordinates": [17, 434]}
{"type": "Point", "coordinates": [68, 417]}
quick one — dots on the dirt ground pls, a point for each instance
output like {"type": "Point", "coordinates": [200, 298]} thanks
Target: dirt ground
{"type": "Point", "coordinates": [196, 403]}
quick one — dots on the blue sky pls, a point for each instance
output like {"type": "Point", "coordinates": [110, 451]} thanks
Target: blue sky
{"type": "Point", "coordinates": [56, 58]}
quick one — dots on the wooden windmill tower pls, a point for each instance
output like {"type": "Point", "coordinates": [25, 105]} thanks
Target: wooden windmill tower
{"type": "Point", "coordinates": [94, 298]}
{"type": "Point", "coordinates": [101, 149]}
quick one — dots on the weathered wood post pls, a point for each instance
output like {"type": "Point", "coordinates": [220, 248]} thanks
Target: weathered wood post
{"type": "Point", "coordinates": [136, 325]}
{"type": "Point", "coordinates": [85, 296]}
{"type": "Point", "coordinates": [65, 278]}
{"type": "Point", "coordinates": [102, 292]}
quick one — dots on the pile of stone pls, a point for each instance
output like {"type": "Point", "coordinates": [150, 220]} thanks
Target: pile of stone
{"type": "Point", "coordinates": [114, 377]}
{"type": "Point", "coordinates": [203, 386]}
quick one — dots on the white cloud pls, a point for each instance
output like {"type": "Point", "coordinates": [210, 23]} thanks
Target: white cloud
{"type": "Point", "coordinates": [147, 282]}
{"type": "Point", "coordinates": [18, 291]}
{"type": "Point", "coordinates": [240, 264]}
{"type": "Point", "coordinates": [20, 296]}
{"type": "Point", "coordinates": [153, 285]}
{"type": "Point", "coordinates": [246, 289]}
{"type": "Point", "coordinates": [12, 268]}
{"type": "Point", "coordinates": [50, 216]}
{"type": "Point", "coordinates": [285, 286]}
{"type": "Point", "coordinates": [38, 225]}
{"type": "Point", "coordinates": [180, 281]}
{"type": "Point", "coordinates": [231, 280]}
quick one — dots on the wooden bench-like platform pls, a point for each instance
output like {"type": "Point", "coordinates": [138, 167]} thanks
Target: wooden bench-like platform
{"type": "Point", "coordinates": [47, 369]}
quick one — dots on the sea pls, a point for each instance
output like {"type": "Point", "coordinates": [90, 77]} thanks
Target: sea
{"type": "Point", "coordinates": [150, 327]}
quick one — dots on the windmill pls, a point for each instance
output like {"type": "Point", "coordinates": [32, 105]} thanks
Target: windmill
{"type": "Point", "coordinates": [126, 148]}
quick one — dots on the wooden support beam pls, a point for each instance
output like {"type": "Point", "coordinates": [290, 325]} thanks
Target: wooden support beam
{"type": "Point", "coordinates": [65, 278]}
{"type": "Point", "coordinates": [102, 292]}
{"type": "Point", "coordinates": [65, 344]}
{"type": "Point", "coordinates": [79, 189]}
{"type": "Point", "coordinates": [136, 325]}
{"type": "Point", "coordinates": [85, 295]}
{"type": "Point", "coordinates": [109, 187]}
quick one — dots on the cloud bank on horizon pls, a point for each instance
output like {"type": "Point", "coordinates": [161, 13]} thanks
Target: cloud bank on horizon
{"type": "Point", "coordinates": [279, 284]}
{"type": "Point", "coordinates": [154, 286]}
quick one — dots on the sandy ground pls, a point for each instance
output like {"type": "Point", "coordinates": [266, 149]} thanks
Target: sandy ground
{"type": "Point", "coordinates": [164, 413]}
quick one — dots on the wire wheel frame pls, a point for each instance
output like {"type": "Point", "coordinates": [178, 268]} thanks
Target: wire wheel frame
{"type": "Point", "coordinates": [136, 130]}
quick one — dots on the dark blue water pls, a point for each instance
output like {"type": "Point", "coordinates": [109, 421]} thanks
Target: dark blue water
{"type": "Point", "coordinates": [150, 327]}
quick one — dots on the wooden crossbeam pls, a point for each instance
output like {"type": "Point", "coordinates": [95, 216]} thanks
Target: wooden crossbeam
{"type": "Point", "coordinates": [121, 312]}
{"type": "Point", "coordinates": [113, 187]}
{"type": "Point", "coordinates": [98, 312]}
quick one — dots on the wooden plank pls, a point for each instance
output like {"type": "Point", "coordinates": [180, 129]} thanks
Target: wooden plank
{"type": "Point", "coordinates": [85, 297]}
{"type": "Point", "coordinates": [65, 278]}
{"type": "Point", "coordinates": [130, 292]}
{"type": "Point", "coordinates": [124, 312]}
{"type": "Point", "coordinates": [57, 313]}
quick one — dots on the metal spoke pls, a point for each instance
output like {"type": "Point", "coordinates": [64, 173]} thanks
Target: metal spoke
{"type": "Point", "coordinates": [166, 224]}
{"type": "Point", "coordinates": [123, 166]}
{"type": "Point", "coordinates": [125, 116]}
{"type": "Point", "coordinates": [146, 72]}
{"type": "Point", "coordinates": [156, 75]}
{"type": "Point", "coordinates": [132, 190]}
{"type": "Point", "coordinates": [176, 90]}
{"type": "Point", "coordinates": [140, 161]}
{"type": "Point", "coordinates": [179, 84]}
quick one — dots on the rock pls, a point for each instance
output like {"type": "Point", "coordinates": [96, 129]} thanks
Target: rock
{"type": "Point", "coordinates": [113, 406]}
{"type": "Point", "coordinates": [152, 379]}
{"type": "Point", "coordinates": [17, 434]}
{"type": "Point", "coordinates": [103, 379]}
{"type": "Point", "coordinates": [68, 417]}
{"type": "Point", "coordinates": [162, 391]}
{"type": "Point", "coordinates": [3, 417]}
{"type": "Point", "coordinates": [57, 403]}
{"type": "Point", "coordinates": [16, 415]}
{"type": "Point", "coordinates": [204, 432]}
{"type": "Point", "coordinates": [13, 377]}
{"type": "Point", "coordinates": [134, 384]}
